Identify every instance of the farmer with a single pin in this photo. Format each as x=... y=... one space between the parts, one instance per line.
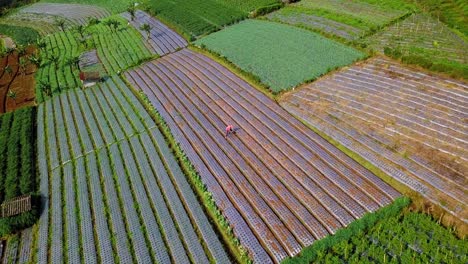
x=229 y=130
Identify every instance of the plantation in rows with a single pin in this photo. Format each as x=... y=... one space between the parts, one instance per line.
x=111 y=189
x=281 y=56
x=279 y=185
x=198 y=17
x=118 y=46
x=348 y=20
x=408 y=124
x=17 y=165
x=424 y=40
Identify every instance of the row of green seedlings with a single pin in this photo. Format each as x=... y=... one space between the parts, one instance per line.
x=18 y=166
x=222 y=224
x=312 y=253
x=159 y=184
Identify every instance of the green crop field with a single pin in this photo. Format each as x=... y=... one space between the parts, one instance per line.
x=345 y=19
x=17 y=164
x=405 y=238
x=118 y=49
x=281 y=56
x=116 y=6
x=21 y=35
x=199 y=17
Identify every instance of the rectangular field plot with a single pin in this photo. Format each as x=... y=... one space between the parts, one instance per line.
x=281 y=56
x=410 y=125
x=349 y=20
x=121 y=196
x=279 y=185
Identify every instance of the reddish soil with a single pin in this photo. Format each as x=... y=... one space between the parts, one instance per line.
x=22 y=83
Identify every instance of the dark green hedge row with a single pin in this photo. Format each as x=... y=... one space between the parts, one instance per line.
x=21 y=35
x=17 y=163
x=309 y=254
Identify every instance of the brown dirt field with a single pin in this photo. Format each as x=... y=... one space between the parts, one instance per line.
x=16 y=81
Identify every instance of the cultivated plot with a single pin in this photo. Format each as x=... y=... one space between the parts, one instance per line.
x=281 y=56
x=160 y=39
x=76 y=14
x=422 y=35
x=118 y=48
x=409 y=124
x=112 y=191
x=349 y=20
x=279 y=185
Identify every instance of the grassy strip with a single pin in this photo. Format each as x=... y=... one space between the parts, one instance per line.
x=308 y=254
x=223 y=228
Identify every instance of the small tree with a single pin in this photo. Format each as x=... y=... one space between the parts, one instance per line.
x=21 y=50
x=60 y=23
x=36 y=60
x=41 y=44
x=12 y=95
x=80 y=30
x=8 y=70
x=74 y=61
x=131 y=10
x=45 y=87
x=147 y=28
x=93 y=21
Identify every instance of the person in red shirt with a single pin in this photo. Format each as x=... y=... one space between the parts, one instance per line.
x=229 y=130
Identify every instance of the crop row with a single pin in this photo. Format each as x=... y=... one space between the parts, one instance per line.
x=17 y=163
x=201 y=95
x=118 y=48
x=345 y=107
x=160 y=39
x=119 y=183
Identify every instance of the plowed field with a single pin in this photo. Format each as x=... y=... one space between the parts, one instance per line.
x=411 y=125
x=280 y=185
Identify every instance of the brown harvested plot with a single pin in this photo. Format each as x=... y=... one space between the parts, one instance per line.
x=411 y=125
x=16 y=81
x=280 y=185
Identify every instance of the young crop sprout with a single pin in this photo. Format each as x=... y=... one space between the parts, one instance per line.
x=147 y=28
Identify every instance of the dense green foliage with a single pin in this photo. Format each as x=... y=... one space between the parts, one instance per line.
x=115 y=6
x=17 y=163
x=452 y=12
x=21 y=35
x=199 y=17
x=6 y=5
x=281 y=56
x=392 y=237
x=118 y=46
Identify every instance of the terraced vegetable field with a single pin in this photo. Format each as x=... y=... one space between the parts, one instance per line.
x=161 y=39
x=279 y=185
x=118 y=49
x=422 y=35
x=281 y=56
x=409 y=124
x=199 y=17
x=112 y=190
x=349 y=20
x=76 y=14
